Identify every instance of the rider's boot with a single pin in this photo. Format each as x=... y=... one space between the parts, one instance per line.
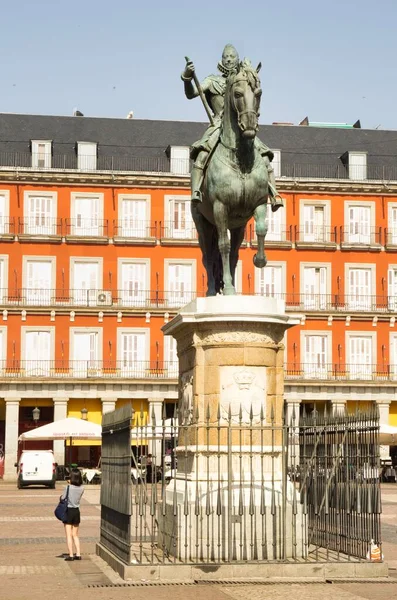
x=197 y=176
x=276 y=202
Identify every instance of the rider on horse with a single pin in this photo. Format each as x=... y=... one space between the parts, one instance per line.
x=213 y=88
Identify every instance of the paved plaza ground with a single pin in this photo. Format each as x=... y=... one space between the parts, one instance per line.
x=32 y=567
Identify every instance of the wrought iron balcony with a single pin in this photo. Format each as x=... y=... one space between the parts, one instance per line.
x=307 y=371
x=278 y=235
x=181 y=166
x=171 y=230
x=132 y=297
x=336 y=302
x=132 y=229
x=358 y=235
x=83 y=369
x=316 y=235
x=87 y=227
x=40 y=226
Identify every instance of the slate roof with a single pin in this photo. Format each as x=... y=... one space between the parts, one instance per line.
x=145 y=138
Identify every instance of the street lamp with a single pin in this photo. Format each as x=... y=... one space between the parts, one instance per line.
x=84 y=413
x=36 y=415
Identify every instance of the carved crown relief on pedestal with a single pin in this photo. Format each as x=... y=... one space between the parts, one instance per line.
x=242 y=393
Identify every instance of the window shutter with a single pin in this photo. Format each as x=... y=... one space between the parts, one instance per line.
x=308 y=222
x=274 y=231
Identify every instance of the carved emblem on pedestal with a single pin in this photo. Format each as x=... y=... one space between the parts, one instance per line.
x=243 y=388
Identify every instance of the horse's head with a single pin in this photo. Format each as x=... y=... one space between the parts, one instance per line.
x=245 y=96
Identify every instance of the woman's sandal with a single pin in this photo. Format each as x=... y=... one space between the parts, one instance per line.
x=77 y=557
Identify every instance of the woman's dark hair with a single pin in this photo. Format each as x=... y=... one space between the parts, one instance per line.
x=75 y=477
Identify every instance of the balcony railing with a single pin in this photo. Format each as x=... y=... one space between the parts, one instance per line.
x=273 y=235
x=129 y=228
x=118 y=299
x=83 y=369
x=340 y=372
x=359 y=235
x=45 y=226
x=182 y=166
x=87 y=227
x=336 y=302
x=315 y=235
x=134 y=297
x=170 y=230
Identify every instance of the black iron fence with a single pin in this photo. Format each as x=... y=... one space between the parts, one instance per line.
x=215 y=487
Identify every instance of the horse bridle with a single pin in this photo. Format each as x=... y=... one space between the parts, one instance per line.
x=244 y=112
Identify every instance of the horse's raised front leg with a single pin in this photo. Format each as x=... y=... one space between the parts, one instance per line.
x=220 y=218
x=260 y=214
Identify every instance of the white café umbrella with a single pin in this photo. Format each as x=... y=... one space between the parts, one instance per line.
x=65 y=429
x=387 y=435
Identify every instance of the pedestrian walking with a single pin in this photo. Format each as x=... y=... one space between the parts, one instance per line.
x=72 y=521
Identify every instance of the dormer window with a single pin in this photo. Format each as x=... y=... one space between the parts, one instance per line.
x=87 y=156
x=357 y=164
x=41 y=154
x=179 y=160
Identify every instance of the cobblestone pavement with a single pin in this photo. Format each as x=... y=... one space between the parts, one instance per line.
x=32 y=567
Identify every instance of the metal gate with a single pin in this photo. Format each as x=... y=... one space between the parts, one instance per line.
x=339 y=482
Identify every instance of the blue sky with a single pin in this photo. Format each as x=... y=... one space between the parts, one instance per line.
x=329 y=60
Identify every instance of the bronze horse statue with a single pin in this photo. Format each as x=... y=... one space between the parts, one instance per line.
x=235 y=185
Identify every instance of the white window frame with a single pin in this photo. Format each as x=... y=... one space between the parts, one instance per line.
x=392 y=293
x=326 y=206
x=175 y=261
x=143 y=294
x=50 y=229
x=393 y=354
x=4 y=290
x=357 y=172
x=34 y=367
x=357 y=204
x=279 y=265
x=391 y=227
x=38 y=296
x=36 y=154
x=79 y=370
x=276 y=163
x=89 y=196
x=357 y=370
x=320 y=302
x=5 y=219
x=87 y=162
x=173 y=366
x=143 y=229
x=274 y=218
x=92 y=294
x=3 y=359
x=311 y=370
x=361 y=303
x=138 y=370
x=187 y=233
x=238 y=277
x=180 y=165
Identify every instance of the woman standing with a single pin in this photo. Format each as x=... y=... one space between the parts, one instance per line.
x=72 y=522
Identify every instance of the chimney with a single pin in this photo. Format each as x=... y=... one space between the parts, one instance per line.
x=130 y=115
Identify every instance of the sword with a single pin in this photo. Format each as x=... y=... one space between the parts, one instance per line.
x=202 y=96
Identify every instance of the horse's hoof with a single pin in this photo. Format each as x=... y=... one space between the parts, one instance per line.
x=260 y=262
x=229 y=291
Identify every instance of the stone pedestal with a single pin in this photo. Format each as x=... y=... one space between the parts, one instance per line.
x=229 y=497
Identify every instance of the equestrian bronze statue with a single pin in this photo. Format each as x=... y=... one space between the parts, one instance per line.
x=232 y=176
